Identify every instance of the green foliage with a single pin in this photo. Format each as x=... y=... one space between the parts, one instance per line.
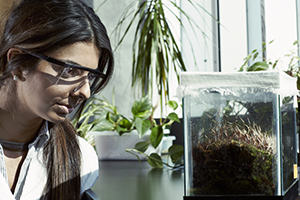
x=155 y=50
x=259 y=65
x=293 y=65
x=101 y=115
x=154 y=44
x=141 y=108
x=264 y=64
x=175 y=152
x=142 y=146
x=155 y=160
x=107 y=118
x=156 y=136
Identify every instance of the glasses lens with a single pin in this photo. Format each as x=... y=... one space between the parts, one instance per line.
x=66 y=78
x=93 y=80
x=95 y=83
x=64 y=75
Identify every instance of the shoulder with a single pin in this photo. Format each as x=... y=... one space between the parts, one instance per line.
x=89 y=164
x=88 y=154
x=87 y=150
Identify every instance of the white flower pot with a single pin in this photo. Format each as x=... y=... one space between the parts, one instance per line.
x=111 y=146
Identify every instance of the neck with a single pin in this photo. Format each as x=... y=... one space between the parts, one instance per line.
x=13 y=146
x=15 y=123
x=17 y=129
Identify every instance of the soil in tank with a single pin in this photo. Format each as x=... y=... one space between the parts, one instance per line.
x=234 y=159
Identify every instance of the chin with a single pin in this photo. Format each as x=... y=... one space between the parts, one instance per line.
x=57 y=119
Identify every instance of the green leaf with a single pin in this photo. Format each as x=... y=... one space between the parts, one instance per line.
x=255 y=50
x=155 y=160
x=121 y=130
x=175 y=152
x=142 y=146
x=142 y=126
x=156 y=136
x=125 y=123
x=298 y=83
x=255 y=55
x=104 y=125
x=296 y=42
x=114 y=118
x=103 y=115
x=246 y=60
x=173 y=104
x=144 y=115
x=173 y=116
x=141 y=106
x=258 y=66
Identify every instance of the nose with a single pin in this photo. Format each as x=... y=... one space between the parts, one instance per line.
x=82 y=91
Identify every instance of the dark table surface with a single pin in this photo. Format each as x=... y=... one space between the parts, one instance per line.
x=131 y=180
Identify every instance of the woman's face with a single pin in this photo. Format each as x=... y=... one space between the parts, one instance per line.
x=43 y=95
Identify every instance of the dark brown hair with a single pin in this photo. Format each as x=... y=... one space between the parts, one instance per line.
x=45 y=26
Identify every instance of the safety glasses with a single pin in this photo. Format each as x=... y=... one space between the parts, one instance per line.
x=66 y=73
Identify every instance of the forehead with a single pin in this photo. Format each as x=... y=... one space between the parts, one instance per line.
x=84 y=54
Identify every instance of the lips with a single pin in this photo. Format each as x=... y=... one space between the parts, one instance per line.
x=65 y=108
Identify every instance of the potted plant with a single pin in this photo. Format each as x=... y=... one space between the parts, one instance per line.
x=141 y=130
x=292 y=69
x=155 y=50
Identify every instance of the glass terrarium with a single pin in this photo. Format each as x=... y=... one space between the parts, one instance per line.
x=239 y=135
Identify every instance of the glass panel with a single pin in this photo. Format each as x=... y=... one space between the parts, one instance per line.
x=232 y=145
x=289 y=142
x=240 y=133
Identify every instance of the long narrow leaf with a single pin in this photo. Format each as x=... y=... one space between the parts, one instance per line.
x=154 y=45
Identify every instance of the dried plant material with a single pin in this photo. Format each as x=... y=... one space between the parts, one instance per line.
x=234 y=159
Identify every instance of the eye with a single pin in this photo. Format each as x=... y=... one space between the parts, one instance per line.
x=91 y=78
x=71 y=72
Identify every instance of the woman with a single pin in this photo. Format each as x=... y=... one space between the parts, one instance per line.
x=54 y=54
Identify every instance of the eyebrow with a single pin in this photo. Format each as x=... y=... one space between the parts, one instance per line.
x=71 y=62
x=74 y=63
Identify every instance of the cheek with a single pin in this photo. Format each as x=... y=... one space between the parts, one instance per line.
x=40 y=92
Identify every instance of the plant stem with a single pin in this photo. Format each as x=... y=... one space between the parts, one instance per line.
x=134 y=151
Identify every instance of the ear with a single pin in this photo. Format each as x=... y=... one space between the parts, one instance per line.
x=12 y=52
